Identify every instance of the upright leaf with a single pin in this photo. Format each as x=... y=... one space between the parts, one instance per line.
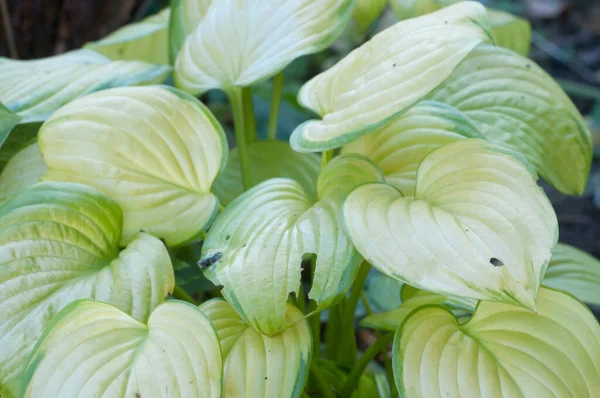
x=60 y=243
x=155 y=150
x=146 y=41
x=386 y=76
x=256 y=365
x=478 y=226
x=94 y=350
x=502 y=351
x=259 y=241
x=185 y=17
x=24 y=170
x=400 y=145
x=366 y=13
x=514 y=103
x=241 y=42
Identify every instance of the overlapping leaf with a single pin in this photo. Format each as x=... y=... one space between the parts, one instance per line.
x=502 y=351
x=59 y=243
x=155 y=150
x=8 y=120
x=24 y=170
x=241 y=42
x=478 y=226
x=146 y=41
x=399 y=146
x=95 y=350
x=268 y=159
x=576 y=272
x=386 y=76
x=185 y=17
x=261 y=237
x=256 y=365
x=366 y=12
x=514 y=103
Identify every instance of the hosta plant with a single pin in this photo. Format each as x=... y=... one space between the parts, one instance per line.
x=149 y=248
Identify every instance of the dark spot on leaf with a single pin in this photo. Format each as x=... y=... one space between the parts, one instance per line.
x=208 y=261
x=266 y=378
x=245 y=244
x=466 y=230
x=528 y=66
x=445 y=22
x=394 y=65
x=496 y=262
x=227 y=237
x=137 y=395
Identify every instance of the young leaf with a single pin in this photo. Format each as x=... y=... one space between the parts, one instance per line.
x=366 y=12
x=386 y=76
x=35 y=89
x=156 y=150
x=478 y=226
x=185 y=17
x=242 y=42
x=24 y=170
x=94 y=350
x=59 y=243
x=502 y=351
x=382 y=291
x=514 y=103
x=259 y=241
x=146 y=41
x=269 y=159
x=575 y=272
x=256 y=365
x=399 y=146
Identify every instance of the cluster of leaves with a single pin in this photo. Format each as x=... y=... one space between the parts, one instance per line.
x=432 y=135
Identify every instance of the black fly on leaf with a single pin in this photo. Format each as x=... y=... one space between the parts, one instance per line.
x=208 y=261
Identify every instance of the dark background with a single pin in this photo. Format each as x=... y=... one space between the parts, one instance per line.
x=566 y=42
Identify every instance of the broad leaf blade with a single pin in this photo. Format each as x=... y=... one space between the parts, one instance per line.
x=400 y=145
x=25 y=169
x=262 y=236
x=478 y=226
x=576 y=272
x=94 y=350
x=60 y=243
x=387 y=75
x=256 y=365
x=185 y=17
x=146 y=41
x=503 y=351
x=260 y=45
x=156 y=150
x=514 y=103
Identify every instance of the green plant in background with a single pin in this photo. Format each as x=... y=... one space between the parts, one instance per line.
x=120 y=197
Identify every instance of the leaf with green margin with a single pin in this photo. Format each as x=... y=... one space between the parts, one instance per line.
x=336 y=379
x=366 y=13
x=576 y=272
x=146 y=40
x=94 y=350
x=59 y=243
x=414 y=298
x=35 y=89
x=502 y=351
x=155 y=150
x=508 y=30
x=268 y=36
x=25 y=169
x=386 y=76
x=185 y=17
x=478 y=226
x=262 y=236
x=514 y=103
x=399 y=146
x=21 y=136
x=268 y=159
x=256 y=365
x=8 y=120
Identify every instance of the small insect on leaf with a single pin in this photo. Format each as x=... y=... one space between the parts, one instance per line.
x=496 y=262
x=208 y=261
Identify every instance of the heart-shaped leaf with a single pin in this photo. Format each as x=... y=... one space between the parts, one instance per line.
x=24 y=170
x=259 y=241
x=366 y=12
x=576 y=272
x=256 y=365
x=155 y=150
x=400 y=145
x=59 y=243
x=508 y=30
x=268 y=159
x=386 y=76
x=478 y=226
x=241 y=42
x=146 y=41
x=502 y=351
x=514 y=103
x=94 y=350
